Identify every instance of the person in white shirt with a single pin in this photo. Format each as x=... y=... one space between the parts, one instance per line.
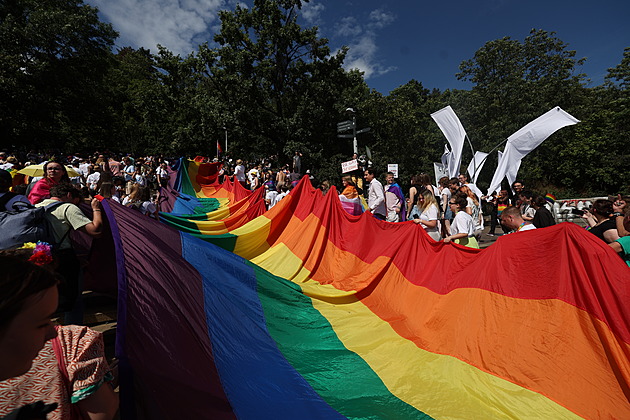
x=376 y=195
x=129 y=172
x=462 y=227
x=512 y=219
x=527 y=210
x=93 y=178
x=427 y=213
x=239 y=173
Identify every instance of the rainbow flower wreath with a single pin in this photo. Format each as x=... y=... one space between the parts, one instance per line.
x=42 y=252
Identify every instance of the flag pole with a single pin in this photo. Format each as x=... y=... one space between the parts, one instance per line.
x=484 y=159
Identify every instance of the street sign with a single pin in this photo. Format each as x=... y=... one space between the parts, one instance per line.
x=363 y=130
x=393 y=168
x=344 y=126
x=345 y=136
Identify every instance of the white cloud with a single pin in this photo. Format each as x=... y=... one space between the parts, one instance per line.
x=381 y=18
x=348 y=27
x=311 y=12
x=363 y=48
x=175 y=24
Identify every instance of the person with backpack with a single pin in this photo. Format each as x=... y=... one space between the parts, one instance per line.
x=10 y=201
x=63 y=218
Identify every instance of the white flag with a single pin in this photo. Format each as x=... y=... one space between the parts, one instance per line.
x=475 y=165
x=525 y=140
x=440 y=172
x=454 y=132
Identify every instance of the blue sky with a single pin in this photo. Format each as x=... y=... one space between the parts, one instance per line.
x=396 y=41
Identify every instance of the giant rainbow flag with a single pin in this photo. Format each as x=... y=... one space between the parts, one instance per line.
x=305 y=311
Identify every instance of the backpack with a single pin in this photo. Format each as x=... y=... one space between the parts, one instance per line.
x=26 y=225
x=5 y=199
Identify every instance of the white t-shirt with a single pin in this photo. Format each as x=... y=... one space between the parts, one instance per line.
x=446 y=196
x=527 y=226
x=430 y=213
x=140 y=180
x=128 y=170
x=253 y=173
x=462 y=223
x=239 y=173
x=148 y=207
x=277 y=198
x=92 y=180
x=475 y=212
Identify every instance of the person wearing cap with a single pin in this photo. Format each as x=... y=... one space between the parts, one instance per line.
x=10 y=201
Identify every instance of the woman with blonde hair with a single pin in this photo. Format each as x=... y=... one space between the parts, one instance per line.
x=426 y=214
x=473 y=208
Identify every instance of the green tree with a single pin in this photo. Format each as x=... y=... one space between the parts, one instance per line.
x=516 y=82
x=54 y=57
x=278 y=82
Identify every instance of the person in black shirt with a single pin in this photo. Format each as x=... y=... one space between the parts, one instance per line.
x=542 y=217
x=600 y=219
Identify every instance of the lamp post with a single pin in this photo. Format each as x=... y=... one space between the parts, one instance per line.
x=355 y=144
x=225 y=129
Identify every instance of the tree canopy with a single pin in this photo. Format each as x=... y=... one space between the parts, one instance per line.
x=276 y=87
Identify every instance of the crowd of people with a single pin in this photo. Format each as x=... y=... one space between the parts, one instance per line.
x=65 y=364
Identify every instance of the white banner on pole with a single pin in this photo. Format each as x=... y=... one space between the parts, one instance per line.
x=475 y=166
x=349 y=166
x=454 y=132
x=440 y=172
x=393 y=168
x=525 y=140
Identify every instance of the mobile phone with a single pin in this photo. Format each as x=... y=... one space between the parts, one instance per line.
x=577 y=212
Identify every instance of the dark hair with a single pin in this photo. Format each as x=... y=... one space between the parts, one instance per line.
x=6 y=180
x=603 y=207
x=459 y=198
x=526 y=194
x=539 y=201
x=19 y=280
x=390 y=173
x=453 y=181
x=518 y=181
x=443 y=181
x=64 y=177
x=106 y=189
x=465 y=176
x=63 y=189
x=371 y=171
x=424 y=179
